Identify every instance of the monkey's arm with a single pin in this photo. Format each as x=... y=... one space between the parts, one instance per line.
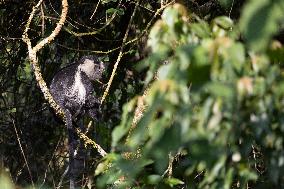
x=93 y=107
x=92 y=102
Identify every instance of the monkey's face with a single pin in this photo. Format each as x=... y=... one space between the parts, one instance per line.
x=93 y=68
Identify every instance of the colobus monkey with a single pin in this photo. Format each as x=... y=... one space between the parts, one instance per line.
x=72 y=89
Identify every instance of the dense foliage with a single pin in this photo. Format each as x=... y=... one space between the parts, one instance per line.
x=217 y=107
x=202 y=108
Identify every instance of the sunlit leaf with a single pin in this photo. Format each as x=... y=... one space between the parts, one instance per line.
x=173 y=181
x=224 y=22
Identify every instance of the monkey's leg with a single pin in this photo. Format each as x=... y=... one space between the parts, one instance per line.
x=80 y=153
x=71 y=141
x=74 y=108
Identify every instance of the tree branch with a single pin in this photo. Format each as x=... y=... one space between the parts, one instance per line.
x=33 y=50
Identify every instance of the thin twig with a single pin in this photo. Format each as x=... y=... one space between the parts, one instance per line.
x=120 y=53
x=231 y=8
x=116 y=48
x=42 y=21
x=67 y=17
x=93 y=32
x=169 y=170
x=62 y=177
x=108 y=22
x=124 y=43
x=49 y=163
x=22 y=151
x=57 y=28
x=97 y=5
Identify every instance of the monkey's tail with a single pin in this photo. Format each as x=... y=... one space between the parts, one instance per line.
x=72 y=144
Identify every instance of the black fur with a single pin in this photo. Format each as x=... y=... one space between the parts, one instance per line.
x=72 y=89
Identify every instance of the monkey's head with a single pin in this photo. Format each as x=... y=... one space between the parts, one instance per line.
x=92 y=67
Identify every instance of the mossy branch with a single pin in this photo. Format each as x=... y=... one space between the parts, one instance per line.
x=33 y=50
x=34 y=61
x=87 y=141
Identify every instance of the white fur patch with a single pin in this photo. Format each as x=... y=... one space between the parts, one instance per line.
x=78 y=90
x=88 y=67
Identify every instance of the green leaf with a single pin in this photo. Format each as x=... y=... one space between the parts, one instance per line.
x=127 y=117
x=226 y=3
x=173 y=181
x=154 y=179
x=259 y=22
x=117 y=11
x=224 y=22
x=170 y=16
x=220 y=90
x=229 y=178
x=200 y=29
x=164 y=71
x=13 y=110
x=5 y=182
x=236 y=54
x=107 y=1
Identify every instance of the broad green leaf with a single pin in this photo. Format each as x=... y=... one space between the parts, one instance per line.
x=220 y=90
x=170 y=16
x=127 y=117
x=200 y=29
x=224 y=22
x=154 y=179
x=260 y=21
